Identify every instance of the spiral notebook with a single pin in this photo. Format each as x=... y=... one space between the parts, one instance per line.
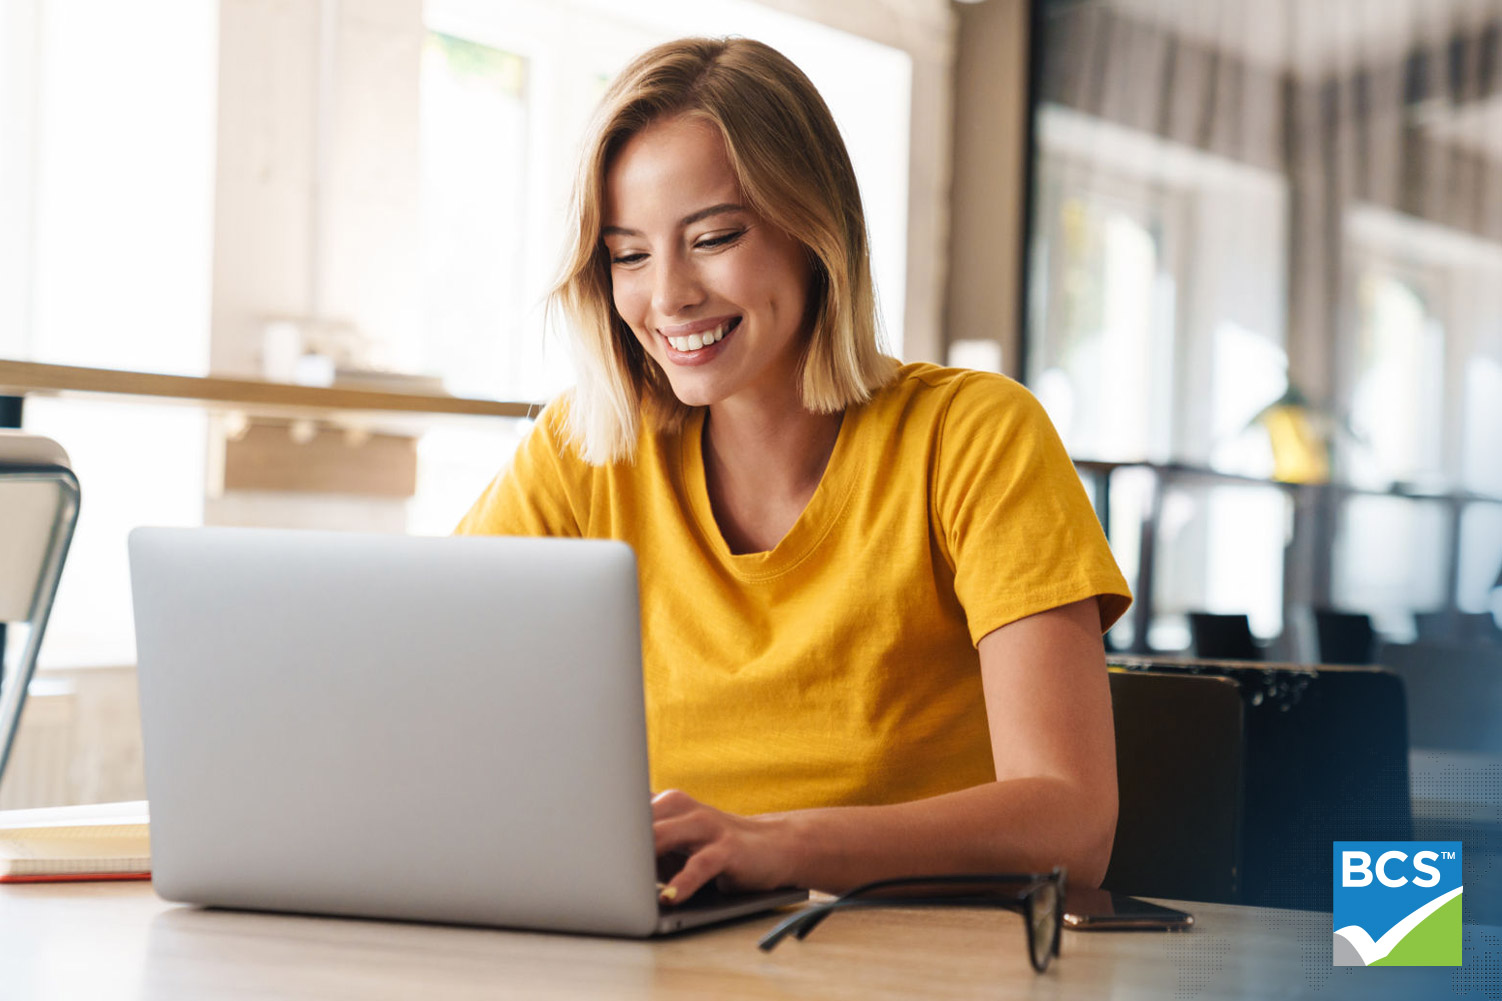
x=55 y=844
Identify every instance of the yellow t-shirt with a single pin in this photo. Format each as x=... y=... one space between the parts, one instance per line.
x=840 y=667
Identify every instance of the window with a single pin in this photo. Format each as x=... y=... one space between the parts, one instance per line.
x=1157 y=283
x=1106 y=344
x=1397 y=378
x=474 y=225
x=1157 y=335
x=1403 y=575
x=1423 y=367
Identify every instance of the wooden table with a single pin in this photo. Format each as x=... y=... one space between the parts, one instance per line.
x=102 y=941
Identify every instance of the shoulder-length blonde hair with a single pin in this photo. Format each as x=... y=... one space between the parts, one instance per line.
x=792 y=167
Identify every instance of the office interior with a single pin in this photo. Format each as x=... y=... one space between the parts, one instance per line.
x=1247 y=255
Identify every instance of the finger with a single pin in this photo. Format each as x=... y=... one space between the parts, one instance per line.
x=700 y=868
x=684 y=834
x=671 y=803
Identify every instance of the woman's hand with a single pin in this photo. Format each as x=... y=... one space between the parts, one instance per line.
x=742 y=853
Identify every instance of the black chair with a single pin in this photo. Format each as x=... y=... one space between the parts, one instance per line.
x=1457 y=627
x=1235 y=778
x=1179 y=769
x=1454 y=694
x=1345 y=637
x=1223 y=637
x=1327 y=760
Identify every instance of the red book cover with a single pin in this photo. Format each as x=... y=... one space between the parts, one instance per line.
x=75 y=877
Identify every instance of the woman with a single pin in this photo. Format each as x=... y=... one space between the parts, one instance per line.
x=872 y=595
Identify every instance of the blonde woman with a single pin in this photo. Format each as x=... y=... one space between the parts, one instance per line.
x=872 y=594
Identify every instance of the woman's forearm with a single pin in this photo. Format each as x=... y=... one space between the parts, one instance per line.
x=1018 y=825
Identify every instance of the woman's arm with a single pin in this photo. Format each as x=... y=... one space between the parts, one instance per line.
x=1053 y=802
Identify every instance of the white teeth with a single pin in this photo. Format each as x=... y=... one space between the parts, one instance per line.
x=694 y=342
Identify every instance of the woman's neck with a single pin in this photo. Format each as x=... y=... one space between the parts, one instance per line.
x=777 y=452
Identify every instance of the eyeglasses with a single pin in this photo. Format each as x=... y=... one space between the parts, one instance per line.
x=1039 y=896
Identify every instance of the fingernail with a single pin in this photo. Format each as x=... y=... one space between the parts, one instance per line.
x=669 y=893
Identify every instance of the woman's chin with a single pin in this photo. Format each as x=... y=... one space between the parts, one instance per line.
x=692 y=392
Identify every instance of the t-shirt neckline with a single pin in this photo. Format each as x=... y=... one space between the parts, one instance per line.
x=813 y=524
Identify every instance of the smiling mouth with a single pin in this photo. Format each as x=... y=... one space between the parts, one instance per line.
x=697 y=342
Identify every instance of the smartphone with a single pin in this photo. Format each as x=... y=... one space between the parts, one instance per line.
x=1101 y=910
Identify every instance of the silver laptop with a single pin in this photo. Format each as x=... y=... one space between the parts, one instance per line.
x=384 y=726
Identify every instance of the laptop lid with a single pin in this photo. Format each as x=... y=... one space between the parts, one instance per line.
x=446 y=729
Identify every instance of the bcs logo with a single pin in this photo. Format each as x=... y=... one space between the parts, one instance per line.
x=1397 y=903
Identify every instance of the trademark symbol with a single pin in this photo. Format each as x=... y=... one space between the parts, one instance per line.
x=1448 y=855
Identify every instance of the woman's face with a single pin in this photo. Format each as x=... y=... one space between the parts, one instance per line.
x=714 y=294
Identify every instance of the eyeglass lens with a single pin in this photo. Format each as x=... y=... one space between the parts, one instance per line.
x=1043 y=915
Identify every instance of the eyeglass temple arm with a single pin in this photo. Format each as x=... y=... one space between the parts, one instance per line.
x=799 y=925
x=805 y=921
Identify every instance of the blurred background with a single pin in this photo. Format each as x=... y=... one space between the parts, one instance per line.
x=1265 y=245
x=1248 y=253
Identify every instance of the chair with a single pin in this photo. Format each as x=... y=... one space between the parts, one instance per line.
x=1179 y=768
x=1457 y=627
x=1480 y=628
x=1454 y=694
x=1234 y=779
x=1223 y=637
x=39 y=498
x=1345 y=637
x=1327 y=760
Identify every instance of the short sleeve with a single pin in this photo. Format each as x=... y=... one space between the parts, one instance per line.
x=1017 y=524
x=535 y=494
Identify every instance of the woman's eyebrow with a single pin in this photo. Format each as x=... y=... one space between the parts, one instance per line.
x=687 y=220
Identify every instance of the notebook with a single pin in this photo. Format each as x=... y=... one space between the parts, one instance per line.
x=98 y=841
x=446 y=729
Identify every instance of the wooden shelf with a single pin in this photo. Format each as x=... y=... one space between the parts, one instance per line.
x=34 y=379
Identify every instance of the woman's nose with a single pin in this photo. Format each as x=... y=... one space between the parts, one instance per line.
x=677 y=287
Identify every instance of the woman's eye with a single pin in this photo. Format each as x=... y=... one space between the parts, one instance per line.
x=722 y=240
x=628 y=258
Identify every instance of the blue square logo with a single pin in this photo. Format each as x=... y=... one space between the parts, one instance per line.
x=1397 y=903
